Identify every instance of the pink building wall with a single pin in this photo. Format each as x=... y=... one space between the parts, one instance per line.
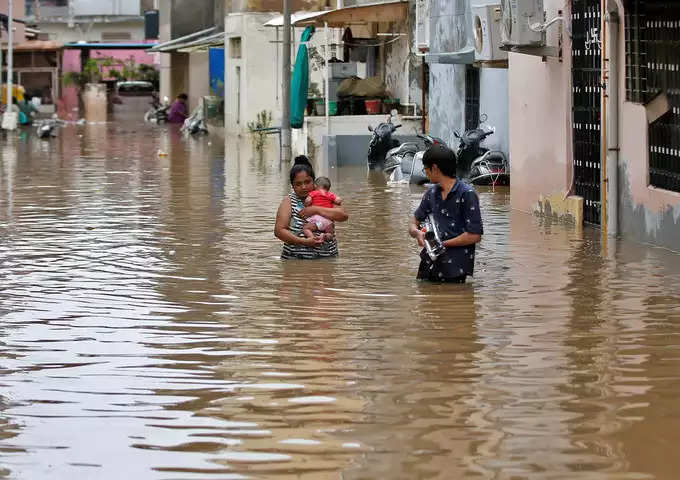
x=540 y=123
x=541 y=142
x=72 y=63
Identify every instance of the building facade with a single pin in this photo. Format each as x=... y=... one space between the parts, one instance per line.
x=607 y=135
x=460 y=91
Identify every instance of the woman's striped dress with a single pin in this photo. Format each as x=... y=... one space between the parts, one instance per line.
x=327 y=249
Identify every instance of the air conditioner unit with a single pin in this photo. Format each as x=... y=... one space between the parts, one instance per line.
x=486 y=23
x=517 y=15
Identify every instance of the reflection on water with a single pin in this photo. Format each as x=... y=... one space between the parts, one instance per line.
x=149 y=329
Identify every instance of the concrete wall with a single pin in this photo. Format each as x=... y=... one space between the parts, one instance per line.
x=199 y=78
x=540 y=119
x=189 y=16
x=450 y=32
x=309 y=139
x=494 y=102
x=238 y=6
x=446 y=98
x=92 y=32
x=164 y=35
x=259 y=72
x=19 y=11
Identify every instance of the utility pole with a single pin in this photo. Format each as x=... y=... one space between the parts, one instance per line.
x=286 y=137
x=9 y=122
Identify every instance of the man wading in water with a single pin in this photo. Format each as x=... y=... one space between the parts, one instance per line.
x=454 y=207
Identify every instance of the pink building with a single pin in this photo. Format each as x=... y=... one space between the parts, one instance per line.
x=603 y=122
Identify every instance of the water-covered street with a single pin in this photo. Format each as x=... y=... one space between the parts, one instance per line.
x=148 y=329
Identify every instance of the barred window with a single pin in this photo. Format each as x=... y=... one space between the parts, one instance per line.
x=653 y=68
x=471 y=98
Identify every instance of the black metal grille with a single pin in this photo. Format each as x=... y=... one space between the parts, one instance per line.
x=586 y=76
x=471 y=98
x=662 y=42
x=636 y=59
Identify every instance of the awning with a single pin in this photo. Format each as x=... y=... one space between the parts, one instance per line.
x=394 y=11
x=295 y=17
x=182 y=42
x=109 y=46
x=202 y=44
x=36 y=46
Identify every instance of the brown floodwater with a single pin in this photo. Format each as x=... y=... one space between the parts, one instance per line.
x=149 y=330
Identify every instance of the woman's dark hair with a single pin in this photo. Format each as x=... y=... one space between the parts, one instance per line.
x=443 y=157
x=183 y=96
x=301 y=164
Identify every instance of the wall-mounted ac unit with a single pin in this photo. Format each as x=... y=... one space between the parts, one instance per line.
x=517 y=15
x=486 y=20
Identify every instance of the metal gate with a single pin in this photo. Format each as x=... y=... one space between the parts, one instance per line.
x=587 y=81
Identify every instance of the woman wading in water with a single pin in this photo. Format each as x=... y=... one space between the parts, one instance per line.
x=292 y=214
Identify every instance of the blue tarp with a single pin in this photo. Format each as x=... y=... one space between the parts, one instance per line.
x=217 y=72
x=300 y=82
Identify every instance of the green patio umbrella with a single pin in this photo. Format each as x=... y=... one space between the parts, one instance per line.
x=300 y=82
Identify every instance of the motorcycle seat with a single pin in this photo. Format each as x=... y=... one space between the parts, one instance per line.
x=404 y=148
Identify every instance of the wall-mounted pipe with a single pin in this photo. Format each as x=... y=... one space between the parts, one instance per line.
x=612 y=167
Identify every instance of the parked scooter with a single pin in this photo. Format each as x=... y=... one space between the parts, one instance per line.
x=479 y=165
x=158 y=113
x=46 y=129
x=381 y=143
x=404 y=164
x=195 y=123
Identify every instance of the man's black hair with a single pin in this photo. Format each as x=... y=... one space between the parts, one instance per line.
x=323 y=182
x=443 y=157
x=301 y=164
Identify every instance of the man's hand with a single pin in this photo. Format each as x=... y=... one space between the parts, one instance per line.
x=416 y=232
x=420 y=238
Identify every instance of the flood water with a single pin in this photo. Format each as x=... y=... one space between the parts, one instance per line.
x=149 y=330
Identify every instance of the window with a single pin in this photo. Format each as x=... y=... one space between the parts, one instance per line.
x=471 y=98
x=235 y=47
x=116 y=36
x=652 y=69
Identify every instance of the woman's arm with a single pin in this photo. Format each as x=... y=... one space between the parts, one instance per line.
x=337 y=214
x=282 y=231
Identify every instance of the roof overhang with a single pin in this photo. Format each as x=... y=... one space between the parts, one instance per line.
x=202 y=44
x=394 y=11
x=195 y=39
x=36 y=46
x=109 y=46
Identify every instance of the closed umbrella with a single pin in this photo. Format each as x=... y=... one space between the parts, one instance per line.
x=300 y=82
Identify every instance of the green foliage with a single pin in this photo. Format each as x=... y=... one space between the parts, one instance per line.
x=108 y=67
x=263 y=120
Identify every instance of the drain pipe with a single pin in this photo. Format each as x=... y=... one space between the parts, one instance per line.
x=612 y=146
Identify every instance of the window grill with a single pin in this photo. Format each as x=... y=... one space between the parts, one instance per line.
x=653 y=68
x=586 y=80
x=471 y=98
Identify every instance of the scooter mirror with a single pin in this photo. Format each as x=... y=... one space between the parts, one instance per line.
x=370 y=129
x=483 y=118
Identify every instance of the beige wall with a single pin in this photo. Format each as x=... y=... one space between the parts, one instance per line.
x=199 y=77
x=19 y=11
x=540 y=122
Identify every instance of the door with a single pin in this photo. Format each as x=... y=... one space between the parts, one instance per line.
x=586 y=118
